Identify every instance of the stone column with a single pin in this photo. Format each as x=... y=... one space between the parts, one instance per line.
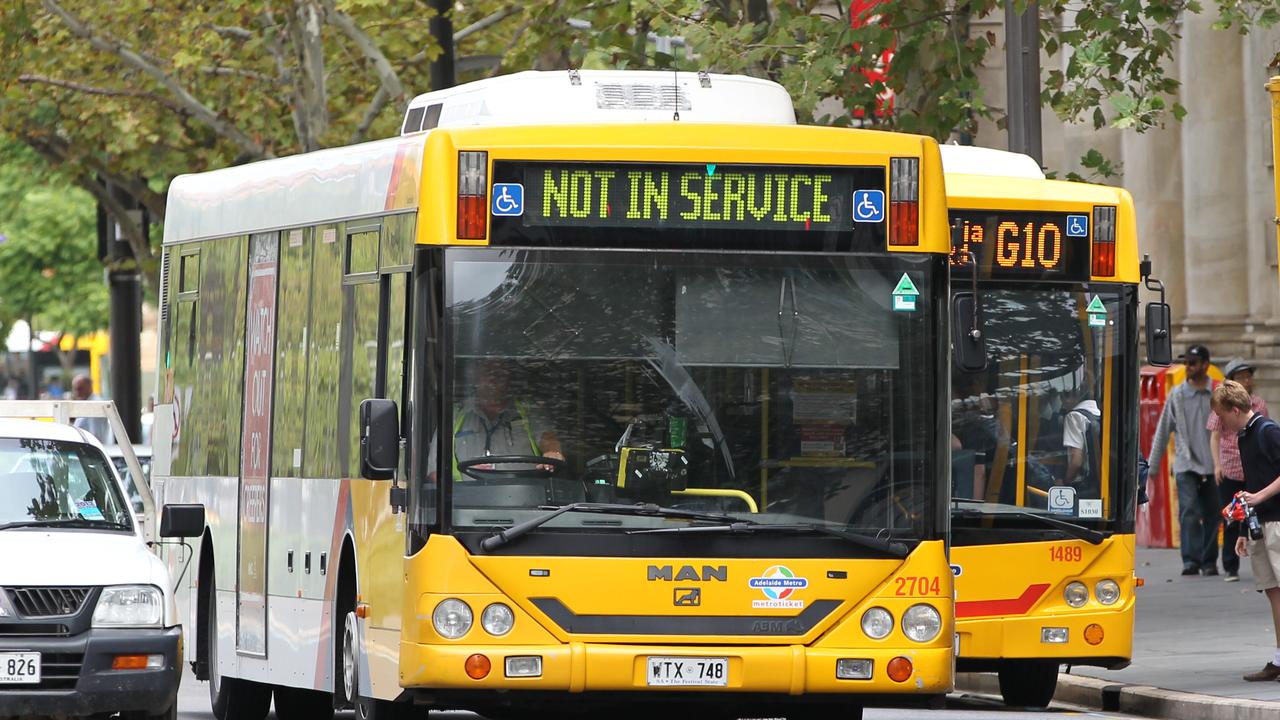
x=1153 y=175
x=1263 y=326
x=1213 y=188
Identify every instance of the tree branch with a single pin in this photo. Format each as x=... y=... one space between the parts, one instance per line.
x=381 y=66
x=105 y=92
x=58 y=153
x=305 y=26
x=236 y=72
x=234 y=33
x=197 y=109
x=371 y=113
x=276 y=49
x=491 y=19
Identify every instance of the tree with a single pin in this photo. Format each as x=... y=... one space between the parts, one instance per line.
x=49 y=271
x=134 y=92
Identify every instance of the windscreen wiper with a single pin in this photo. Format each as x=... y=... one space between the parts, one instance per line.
x=888 y=547
x=493 y=542
x=1079 y=532
x=67 y=523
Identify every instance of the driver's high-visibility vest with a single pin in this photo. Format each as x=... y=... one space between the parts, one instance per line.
x=461 y=417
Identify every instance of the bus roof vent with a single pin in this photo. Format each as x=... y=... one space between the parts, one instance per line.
x=640 y=96
x=971 y=160
x=602 y=96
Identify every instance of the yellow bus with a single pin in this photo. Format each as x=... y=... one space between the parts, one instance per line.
x=1044 y=438
x=590 y=387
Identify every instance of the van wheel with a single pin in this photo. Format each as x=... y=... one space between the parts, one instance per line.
x=299 y=704
x=1028 y=683
x=230 y=698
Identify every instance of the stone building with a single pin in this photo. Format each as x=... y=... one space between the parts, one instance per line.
x=1203 y=188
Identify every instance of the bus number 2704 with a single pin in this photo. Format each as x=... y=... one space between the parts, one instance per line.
x=911 y=585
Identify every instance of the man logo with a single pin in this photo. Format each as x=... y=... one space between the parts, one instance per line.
x=687 y=597
x=688 y=573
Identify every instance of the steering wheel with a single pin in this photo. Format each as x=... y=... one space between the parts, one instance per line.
x=471 y=467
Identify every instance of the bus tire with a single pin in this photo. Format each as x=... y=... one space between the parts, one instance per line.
x=1029 y=683
x=348 y=680
x=301 y=704
x=230 y=698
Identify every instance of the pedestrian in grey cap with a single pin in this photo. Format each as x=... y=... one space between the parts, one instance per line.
x=1227 y=470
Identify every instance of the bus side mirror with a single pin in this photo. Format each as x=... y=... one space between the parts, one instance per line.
x=379 y=439
x=1159 y=338
x=967 y=341
x=182 y=521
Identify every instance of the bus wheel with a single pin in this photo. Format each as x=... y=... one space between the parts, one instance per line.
x=365 y=708
x=299 y=704
x=1029 y=683
x=231 y=698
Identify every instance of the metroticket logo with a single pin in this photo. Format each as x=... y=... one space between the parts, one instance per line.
x=778 y=584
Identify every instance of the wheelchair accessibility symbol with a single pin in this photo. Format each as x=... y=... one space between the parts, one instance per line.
x=868 y=206
x=1077 y=226
x=508 y=199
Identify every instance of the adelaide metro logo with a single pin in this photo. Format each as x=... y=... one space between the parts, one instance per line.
x=778 y=584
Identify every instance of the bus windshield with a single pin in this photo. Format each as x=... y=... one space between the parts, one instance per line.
x=776 y=388
x=1036 y=431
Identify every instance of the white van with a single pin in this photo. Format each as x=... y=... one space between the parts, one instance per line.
x=88 y=623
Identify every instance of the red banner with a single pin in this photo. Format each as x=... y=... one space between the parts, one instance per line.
x=255 y=444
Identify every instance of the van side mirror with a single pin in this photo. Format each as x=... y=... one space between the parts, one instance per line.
x=1159 y=337
x=967 y=341
x=379 y=439
x=182 y=521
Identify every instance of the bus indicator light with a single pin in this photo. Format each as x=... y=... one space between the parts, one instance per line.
x=477 y=666
x=1104 y=241
x=904 y=201
x=473 y=208
x=899 y=669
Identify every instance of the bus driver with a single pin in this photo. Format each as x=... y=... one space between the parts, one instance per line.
x=493 y=422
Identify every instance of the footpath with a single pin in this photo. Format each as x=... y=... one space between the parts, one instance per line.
x=1193 y=639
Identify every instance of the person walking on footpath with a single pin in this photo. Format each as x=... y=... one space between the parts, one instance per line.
x=1227 y=471
x=1259 y=443
x=1186 y=416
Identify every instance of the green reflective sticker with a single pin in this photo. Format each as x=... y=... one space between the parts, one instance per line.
x=1096 y=307
x=905 y=286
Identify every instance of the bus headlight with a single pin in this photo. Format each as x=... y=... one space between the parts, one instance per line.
x=1076 y=594
x=497 y=619
x=452 y=618
x=921 y=623
x=1107 y=592
x=877 y=623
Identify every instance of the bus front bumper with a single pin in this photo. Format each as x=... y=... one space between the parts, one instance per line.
x=590 y=667
x=986 y=642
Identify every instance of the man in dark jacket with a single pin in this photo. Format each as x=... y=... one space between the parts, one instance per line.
x=1259 y=438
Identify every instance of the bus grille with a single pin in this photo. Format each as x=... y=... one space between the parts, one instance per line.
x=36 y=602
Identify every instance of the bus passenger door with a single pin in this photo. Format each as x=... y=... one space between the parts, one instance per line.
x=255 y=445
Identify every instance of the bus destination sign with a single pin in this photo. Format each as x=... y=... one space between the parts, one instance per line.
x=710 y=196
x=1013 y=244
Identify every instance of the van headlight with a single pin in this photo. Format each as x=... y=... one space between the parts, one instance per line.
x=1076 y=594
x=452 y=618
x=497 y=619
x=129 y=606
x=1107 y=592
x=921 y=623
